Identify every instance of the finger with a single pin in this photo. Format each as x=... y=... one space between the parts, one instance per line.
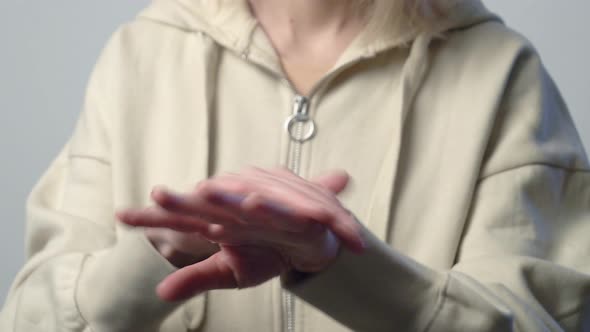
x=335 y=181
x=197 y=278
x=275 y=216
x=256 y=211
x=273 y=237
x=159 y=218
x=284 y=177
x=156 y=218
x=304 y=218
x=180 y=241
x=313 y=194
x=301 y=208
x=344 y=227
x=328 y=212
x=239 y=196
x=302 y=213
x=233 y=267
x=339 y=220
x=191 y=205
x=276 y=192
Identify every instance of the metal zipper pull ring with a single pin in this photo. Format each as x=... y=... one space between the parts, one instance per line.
x=295 y=133
x=299 y=121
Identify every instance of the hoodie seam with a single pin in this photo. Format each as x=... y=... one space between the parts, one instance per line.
x=569 y=313
x=76 y=289
x=542 y=164
x=222 y=36
x=89 y=157
x=441 y=300
x=227 y=40
x=17 y=311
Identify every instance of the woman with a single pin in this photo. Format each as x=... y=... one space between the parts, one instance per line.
x=463 y=206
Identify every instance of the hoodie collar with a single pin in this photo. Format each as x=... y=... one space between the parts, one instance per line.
x=231 y=24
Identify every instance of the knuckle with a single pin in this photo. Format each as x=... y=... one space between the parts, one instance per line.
x=215 y=232
x=252 y=202
x=323 y=190
x=204 y=187
x=237 y=186
x=199 y=186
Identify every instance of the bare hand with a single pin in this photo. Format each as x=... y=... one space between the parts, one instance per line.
x=179 y=248
x=265 y=221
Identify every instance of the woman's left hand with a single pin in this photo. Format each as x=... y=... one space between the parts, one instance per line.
x=265 y=222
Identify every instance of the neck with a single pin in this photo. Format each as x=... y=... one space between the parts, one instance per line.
x=304 y=18
x=308 y=35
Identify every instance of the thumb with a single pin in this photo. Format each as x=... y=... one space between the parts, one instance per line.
x=211 y=273
x=335 y=181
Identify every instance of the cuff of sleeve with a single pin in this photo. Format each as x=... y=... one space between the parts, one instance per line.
x=116 y=289
x=379 y=290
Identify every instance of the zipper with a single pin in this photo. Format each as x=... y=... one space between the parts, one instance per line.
x=300 y=128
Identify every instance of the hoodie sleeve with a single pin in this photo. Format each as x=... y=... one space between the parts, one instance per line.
x=524 y=258
x=83 y=273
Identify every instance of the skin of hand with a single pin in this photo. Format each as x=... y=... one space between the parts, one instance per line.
x=265 y=222
x=180 y=248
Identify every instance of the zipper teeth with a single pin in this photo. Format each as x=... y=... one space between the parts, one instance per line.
x=288 y=299
x=295 y=168
x=289 y=303
x=301 y=105
x=296 y=157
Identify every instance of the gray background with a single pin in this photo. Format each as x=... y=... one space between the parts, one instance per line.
x=47 y=49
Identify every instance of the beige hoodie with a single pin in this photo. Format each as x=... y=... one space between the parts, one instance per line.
x=467 y=173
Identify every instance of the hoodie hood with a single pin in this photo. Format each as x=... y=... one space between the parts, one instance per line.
x=231 y=24
x=227 y=22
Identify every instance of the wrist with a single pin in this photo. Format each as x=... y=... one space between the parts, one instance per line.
x=319 y=256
